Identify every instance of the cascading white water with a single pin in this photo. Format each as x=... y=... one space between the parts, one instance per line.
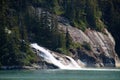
x=46 y=54
x=73 y=62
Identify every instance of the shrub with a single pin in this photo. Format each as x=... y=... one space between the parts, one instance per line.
x=86 y=46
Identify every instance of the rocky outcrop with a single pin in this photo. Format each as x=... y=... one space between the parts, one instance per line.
x=97 y=51
x=98 y=48
x=102 y=46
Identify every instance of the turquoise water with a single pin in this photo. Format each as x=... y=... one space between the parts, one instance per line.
x=60 y=74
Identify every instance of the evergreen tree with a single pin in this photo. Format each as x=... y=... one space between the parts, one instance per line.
x=20 y=25
x=68 y=40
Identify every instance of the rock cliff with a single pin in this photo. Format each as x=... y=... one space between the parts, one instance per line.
x=98 y=48
x=74 y=28
x=102 y=46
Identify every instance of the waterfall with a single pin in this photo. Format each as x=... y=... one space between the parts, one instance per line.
x=46 y=54
x=73 y=62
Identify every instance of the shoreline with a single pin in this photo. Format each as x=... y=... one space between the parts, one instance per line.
x=38 y=67
x=20 y=67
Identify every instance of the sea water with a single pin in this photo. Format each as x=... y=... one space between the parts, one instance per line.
x=57 y=74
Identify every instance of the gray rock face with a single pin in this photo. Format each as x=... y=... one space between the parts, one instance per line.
x=102 y=45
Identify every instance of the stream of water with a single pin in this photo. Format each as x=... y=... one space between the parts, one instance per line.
x=47 y=55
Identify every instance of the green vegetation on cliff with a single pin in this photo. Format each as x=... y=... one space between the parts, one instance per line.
x=21 y=25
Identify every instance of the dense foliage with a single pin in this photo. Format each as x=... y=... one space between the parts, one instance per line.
x=21 y=25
